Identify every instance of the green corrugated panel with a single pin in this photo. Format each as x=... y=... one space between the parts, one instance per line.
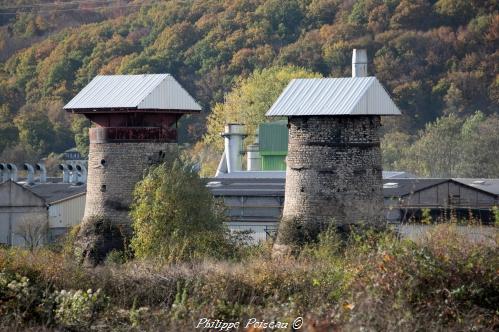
x=273 y=137
x=273 y=163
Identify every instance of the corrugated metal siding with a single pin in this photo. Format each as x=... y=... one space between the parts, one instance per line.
x=334 y=96
x=67 y=213
x=273 y=137
x=273 y=163
x=151 y=91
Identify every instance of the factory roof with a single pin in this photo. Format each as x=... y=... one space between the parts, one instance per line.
x=334 y=96
x=282 y=175
x=49 y=193
x=149 y=91
x=488 y=185
x=55 y=192
x=398 y=187
x=272 y=183
x=393 y=187
x=397 y=175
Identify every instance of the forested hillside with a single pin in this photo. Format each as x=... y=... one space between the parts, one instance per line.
x=436 y=58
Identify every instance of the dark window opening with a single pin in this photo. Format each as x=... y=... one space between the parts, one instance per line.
x=103 y=162
x=103 y=188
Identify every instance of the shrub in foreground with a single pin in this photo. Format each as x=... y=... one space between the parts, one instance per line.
x=373 y=282
x=175 y=217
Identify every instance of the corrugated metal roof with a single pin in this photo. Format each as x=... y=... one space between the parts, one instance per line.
x=149 y=91
x=54 y=192
x=334 y=96
x=488 y=185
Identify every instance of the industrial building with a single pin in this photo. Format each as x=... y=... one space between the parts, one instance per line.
x=255 y=200
x=39 y=208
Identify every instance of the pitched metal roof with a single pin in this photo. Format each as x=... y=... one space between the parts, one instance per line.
x=56 y=192
x=272 y=183
x=149 y=91
x=397 y=175
x=488 y=185
x=334 y=96
x=393 y=187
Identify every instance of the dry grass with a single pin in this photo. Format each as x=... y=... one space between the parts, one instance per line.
x=375 y=282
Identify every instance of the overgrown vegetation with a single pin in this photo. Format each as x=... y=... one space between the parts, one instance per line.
x=176 y=218
x=372 y=281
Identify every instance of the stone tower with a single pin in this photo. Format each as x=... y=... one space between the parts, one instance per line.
x=134 y=125
x=334 y=169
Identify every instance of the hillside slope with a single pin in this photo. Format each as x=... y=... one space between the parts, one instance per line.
x=434 y=57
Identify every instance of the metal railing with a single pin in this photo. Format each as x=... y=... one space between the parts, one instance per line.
x=132 y=134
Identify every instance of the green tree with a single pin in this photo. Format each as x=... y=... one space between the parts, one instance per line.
x=457 y=11
x=394 y=146
x=249 y=100
x=35 y=129
x=480 y=139
x=438 y=150
x=174 y=215
x=79 y=127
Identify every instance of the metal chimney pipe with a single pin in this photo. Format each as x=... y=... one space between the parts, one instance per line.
x=359 y=63
x=65 y=173
x=254 y=160
x=42 y=171
x=73 y=177
x=82 y=173
x=31 y=173
x=4 y=172
x=13 y=171
x=234 y=135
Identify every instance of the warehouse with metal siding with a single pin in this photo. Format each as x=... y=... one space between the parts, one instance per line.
x=65 y=214
x=58 y=205
x=254 y=200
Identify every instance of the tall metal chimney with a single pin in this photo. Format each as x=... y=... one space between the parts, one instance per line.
x=31 y=173
x=73 y=176
x=40 y=167
x=234 y=134
x=359 y=63
x=4 y=172
x=13 y=171
x=82 y=173
x=65 y=173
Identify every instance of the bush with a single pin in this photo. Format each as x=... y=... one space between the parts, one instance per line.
x=23 y=302
x=175 y=217
x=78 y=309
x=373 y=281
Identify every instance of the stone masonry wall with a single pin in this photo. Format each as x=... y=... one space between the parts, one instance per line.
x=113 y=171
x=334 y=170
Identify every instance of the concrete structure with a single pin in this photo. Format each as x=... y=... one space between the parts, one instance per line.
x=334 y=158
x=55 y=206
x=135 y=119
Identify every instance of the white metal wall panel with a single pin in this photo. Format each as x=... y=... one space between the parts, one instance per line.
x=67 y=213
